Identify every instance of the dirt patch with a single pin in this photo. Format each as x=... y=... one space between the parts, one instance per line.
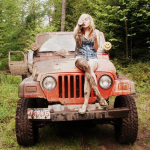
x=143 y=136
x=107 y=141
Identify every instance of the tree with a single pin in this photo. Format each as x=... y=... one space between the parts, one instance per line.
x=63 y=15
x=73 y=11
x=18 y=21
x=125 y=24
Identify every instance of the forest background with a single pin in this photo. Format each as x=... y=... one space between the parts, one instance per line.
x=125 y=23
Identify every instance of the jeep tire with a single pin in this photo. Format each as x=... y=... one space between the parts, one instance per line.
x=26 y=130
x=126 y=129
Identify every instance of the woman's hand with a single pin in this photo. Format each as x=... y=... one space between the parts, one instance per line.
x=94 y=36
x=96 y=40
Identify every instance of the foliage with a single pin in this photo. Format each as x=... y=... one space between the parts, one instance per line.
x=3 y=63
x=73 y=11
x=139 y=72
x=126 y=25
x=52 y=10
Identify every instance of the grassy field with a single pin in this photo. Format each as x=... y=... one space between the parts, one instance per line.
x=70 y=136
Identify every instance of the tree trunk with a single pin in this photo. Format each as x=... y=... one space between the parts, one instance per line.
x=63 y=15
x=116 y=2
x=126 y=33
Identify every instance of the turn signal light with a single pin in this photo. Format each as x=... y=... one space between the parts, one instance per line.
x=30 y=89
x=123 y=86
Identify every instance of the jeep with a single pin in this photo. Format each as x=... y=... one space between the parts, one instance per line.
x=52 y=90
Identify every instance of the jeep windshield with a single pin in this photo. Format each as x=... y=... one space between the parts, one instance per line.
x=59 y=42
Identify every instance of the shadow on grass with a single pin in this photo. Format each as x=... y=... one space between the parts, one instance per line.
x=76 y=136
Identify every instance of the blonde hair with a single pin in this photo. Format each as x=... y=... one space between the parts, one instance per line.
x=78 y=31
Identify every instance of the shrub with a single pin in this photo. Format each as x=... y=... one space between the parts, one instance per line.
x=139 y=72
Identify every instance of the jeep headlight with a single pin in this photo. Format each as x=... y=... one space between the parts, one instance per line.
x=105 y=82
x=49 y=83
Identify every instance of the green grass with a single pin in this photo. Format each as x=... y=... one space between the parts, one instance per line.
x=67 y=136
x=8 y=103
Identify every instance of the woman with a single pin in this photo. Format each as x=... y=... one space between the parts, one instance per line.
x=87 y=43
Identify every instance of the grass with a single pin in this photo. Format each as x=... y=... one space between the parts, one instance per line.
x=69 y=136
x=143 y=105
x=8 y=103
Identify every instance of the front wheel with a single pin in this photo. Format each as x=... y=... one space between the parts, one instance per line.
x=26 y=130
x=126 y=129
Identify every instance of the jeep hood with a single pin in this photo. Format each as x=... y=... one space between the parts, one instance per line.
x=67 y=65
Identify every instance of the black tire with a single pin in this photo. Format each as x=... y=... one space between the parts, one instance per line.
x=26 y=130
x=23 y=77
x=126 y=129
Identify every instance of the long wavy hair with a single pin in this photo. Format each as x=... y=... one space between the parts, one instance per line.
x=79 y=30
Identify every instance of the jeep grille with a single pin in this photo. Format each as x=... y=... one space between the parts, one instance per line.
x=70 y=87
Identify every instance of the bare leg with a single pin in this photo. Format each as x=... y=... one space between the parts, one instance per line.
x=87 y=90
x=93 y=66
x=90 y=78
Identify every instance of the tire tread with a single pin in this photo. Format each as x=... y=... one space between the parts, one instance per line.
x=127 y=130
x=26 y=131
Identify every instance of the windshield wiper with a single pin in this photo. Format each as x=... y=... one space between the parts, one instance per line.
x=60 y=54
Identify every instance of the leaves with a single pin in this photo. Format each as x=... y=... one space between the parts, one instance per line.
x=21 y=20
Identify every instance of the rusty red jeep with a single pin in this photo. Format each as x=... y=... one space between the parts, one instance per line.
x=52 y=90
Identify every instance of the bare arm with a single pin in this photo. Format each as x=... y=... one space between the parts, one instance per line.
x=96 y=36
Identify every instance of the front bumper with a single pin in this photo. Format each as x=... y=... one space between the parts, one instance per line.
x=70 y=113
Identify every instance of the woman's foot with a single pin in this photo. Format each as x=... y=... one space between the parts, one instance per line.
x=82 y=110
x=103 y=103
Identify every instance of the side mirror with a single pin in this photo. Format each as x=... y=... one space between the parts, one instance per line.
x=34 y=46
x=107 y=46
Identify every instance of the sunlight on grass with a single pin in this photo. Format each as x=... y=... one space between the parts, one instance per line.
x=143 y=107
x=8 y=103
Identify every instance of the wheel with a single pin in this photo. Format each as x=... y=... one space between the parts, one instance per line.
x=26 y=130
x=23 y=77
x=126 y=129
